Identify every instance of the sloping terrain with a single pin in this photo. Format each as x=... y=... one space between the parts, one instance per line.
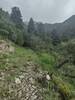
x=21 y=77
x=17 y=76
x=66 y=28
x=45 y=72
x=19 y=85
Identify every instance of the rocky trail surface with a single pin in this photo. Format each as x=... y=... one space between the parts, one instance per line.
x=18 y=78
x=23 y=86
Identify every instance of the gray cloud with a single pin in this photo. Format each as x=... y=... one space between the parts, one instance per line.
x=50 y=11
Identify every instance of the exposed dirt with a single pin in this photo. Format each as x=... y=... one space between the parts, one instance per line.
x=5 y=47
x=20 y=85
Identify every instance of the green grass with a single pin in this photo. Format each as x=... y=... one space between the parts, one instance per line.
x=46 y=61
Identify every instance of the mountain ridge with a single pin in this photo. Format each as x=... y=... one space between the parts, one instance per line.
x=62 y=28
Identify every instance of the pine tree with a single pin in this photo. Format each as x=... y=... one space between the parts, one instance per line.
x=31 y=26
x=16 y=16
x=55 y=37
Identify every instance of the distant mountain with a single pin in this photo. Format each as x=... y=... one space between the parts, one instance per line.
x=70 y=20
x=65 y=28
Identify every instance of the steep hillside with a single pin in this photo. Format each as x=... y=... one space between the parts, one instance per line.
x=36 y=65
x=21 y=76
x=17 y=75
x=66 y=28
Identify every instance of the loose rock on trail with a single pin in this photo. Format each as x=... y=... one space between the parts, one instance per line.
x=23 y=86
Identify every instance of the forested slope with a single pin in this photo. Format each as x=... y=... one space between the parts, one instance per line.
x=34 y=64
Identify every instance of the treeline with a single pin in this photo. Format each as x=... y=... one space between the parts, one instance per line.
x=35 y=35
x=32 y=35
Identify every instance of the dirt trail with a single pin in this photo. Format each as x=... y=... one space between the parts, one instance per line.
x=23 y=86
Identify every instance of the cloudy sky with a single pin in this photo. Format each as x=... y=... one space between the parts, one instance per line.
x=50 y=11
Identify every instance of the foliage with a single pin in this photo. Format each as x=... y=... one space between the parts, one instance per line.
x=55 y=37
x=63 y=88
x=16 y=17
x=31 y=27
x=49 y=49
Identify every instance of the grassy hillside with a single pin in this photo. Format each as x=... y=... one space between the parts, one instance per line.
x=23 y=70
x=13 y=64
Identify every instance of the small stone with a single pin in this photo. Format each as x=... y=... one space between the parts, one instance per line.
x=33 y=87
x=33 y=97
x=2 y=74
x=11 y=49
x=32 y=80
x=19 y=94
x=48 y=77
x=17 y=81
x=21 y=77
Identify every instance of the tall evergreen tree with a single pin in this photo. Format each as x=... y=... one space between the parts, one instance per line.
x=16 y=16
x=55 y=37
x=31 y=26
x=40 y=28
